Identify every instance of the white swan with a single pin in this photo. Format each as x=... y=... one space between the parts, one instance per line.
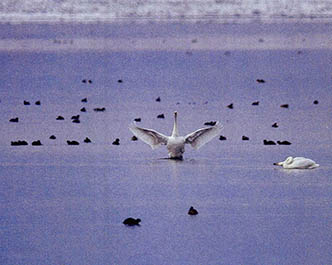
x=175 y=143
x=297 y=162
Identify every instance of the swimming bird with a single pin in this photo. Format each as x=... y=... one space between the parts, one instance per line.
x=75 y=117
x=297 y=162
x=14 y=119
x=262 y=81
x=19 y=142
x=175 y=143
x=210 y=123
x=284 y=106
x=192 y=211
x=268 y=142
x=72 y=142
x=131 y=221
x=116 y=141
x=284 y=143
x=99 y=109
x=36 y=143
x=87 y=140
x=222 y=138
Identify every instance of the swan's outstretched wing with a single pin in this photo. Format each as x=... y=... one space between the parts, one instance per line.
x=200 y=137
x=151 y=137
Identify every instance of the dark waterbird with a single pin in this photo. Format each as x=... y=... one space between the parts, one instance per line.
x=261 y=81
x=14 y=119
x=84 y=100
x=116 y=141
x=161 y=116
x=26 y=103
x=137 y=119
x=245 y=138
x=275 y=125
x=36 y=143
x=38 y=103
x=72 y=142
x=87 y=140
x=99 y=109
x=60 y=118
x=158 y=99
x=192 y=211
x=284 y=143
x=131 y=221
x=19 y=142
x=83 y=109
x=285 y=106
x=268 y=142
x=230 y=106
x=53 y=137
x=256 y=103
x=222 y=138
x=210 y=123
x=134 y=138
x=75 y=117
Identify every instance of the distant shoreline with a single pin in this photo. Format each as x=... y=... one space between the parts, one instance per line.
x=176 y=36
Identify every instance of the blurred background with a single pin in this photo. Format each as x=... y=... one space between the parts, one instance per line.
x=115 y=10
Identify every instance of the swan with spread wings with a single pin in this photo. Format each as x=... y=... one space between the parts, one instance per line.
x=175 y=143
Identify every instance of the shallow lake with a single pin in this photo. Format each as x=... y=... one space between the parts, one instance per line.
x=64 y=204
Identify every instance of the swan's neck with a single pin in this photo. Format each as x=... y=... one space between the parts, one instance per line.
x=175 y=127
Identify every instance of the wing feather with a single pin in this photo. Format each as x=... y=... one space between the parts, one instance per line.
x=200 y=137
x=148 y=136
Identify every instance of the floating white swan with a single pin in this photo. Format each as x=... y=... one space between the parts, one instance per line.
x=175 y=143
x=297 y=162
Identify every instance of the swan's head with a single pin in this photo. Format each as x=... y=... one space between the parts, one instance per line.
x=289 y=160
x=175 y=114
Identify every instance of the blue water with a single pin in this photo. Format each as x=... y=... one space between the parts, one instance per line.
x=65 y=204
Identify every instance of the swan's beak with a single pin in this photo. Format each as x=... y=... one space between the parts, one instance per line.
x=277 y=164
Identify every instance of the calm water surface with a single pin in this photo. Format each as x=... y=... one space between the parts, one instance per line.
x=65 y=204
